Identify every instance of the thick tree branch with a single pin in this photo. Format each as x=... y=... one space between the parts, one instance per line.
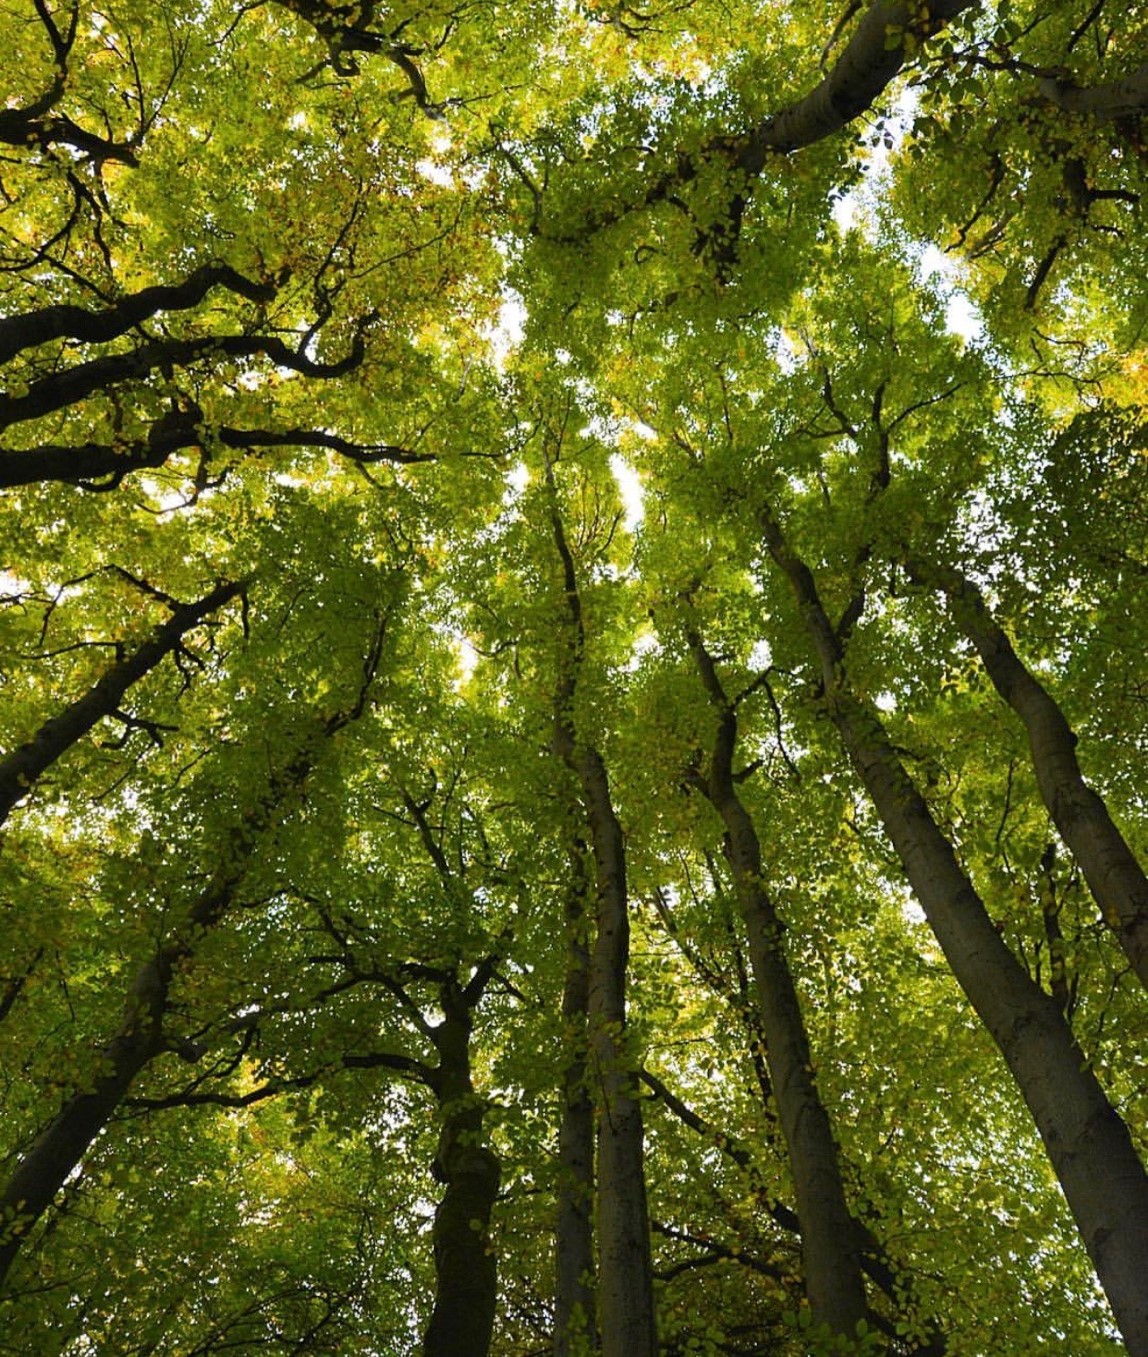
x=18 y=128
x=20 y=769
x=888 y=35
x=26 y=331
x=34 y=124
x=103 y=466
x=1115 y=877
x=61 y=389
x=14 y=985
x=346 y=29
x=1125 y=97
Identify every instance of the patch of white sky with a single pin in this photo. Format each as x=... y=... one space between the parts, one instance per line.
x=517 y=479
x=646 y=643
x=856 y=210
x=506 y=334
x=466 y=658
x=630 y=489
x=13 y=587
x=761 y=656
x=436 y=167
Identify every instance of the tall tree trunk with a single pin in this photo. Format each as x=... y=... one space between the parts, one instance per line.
x=20 y=769
x=1088 y=1144
x=829 y=1235
x=1122 y=98
x=1114 y=876
x=44 y=1169
x=575 y=1317
x=625 y=1269
x=55 y=1153
x=466 y=1270
x=887 y=34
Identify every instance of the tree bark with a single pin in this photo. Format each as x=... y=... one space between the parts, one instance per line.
x=1088 y=1144
x=575 y=1300
x=1121 y=98
x=829 y=1236
x=22 y=129
x=879 y=46
x=33 y=328
x=83 y=463
x=625 y=1268
x=1114 y=876
x=882 y=42
x=466 y=1272
x=20 y=769
x=72 y=385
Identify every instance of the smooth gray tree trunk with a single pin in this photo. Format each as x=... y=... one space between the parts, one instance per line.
x=829 y=1235
x=625 y=1270
x=1087 y=1143
x=1115 y=877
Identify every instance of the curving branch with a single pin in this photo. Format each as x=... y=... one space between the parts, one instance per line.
x=888 y=35
x=61 y=389
x=404 y=1066
x=18 y=127
x=85 y=464
x=879 y=1268
x=14 y=984
x=1121 y=98
x=33 y=328
x=715 y=1252
x=20 y=769
x=37 y=125
x=346 y=29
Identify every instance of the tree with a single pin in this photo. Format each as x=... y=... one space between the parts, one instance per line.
x=572 y=704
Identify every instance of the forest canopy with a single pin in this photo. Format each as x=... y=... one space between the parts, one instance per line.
x=572 y=697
